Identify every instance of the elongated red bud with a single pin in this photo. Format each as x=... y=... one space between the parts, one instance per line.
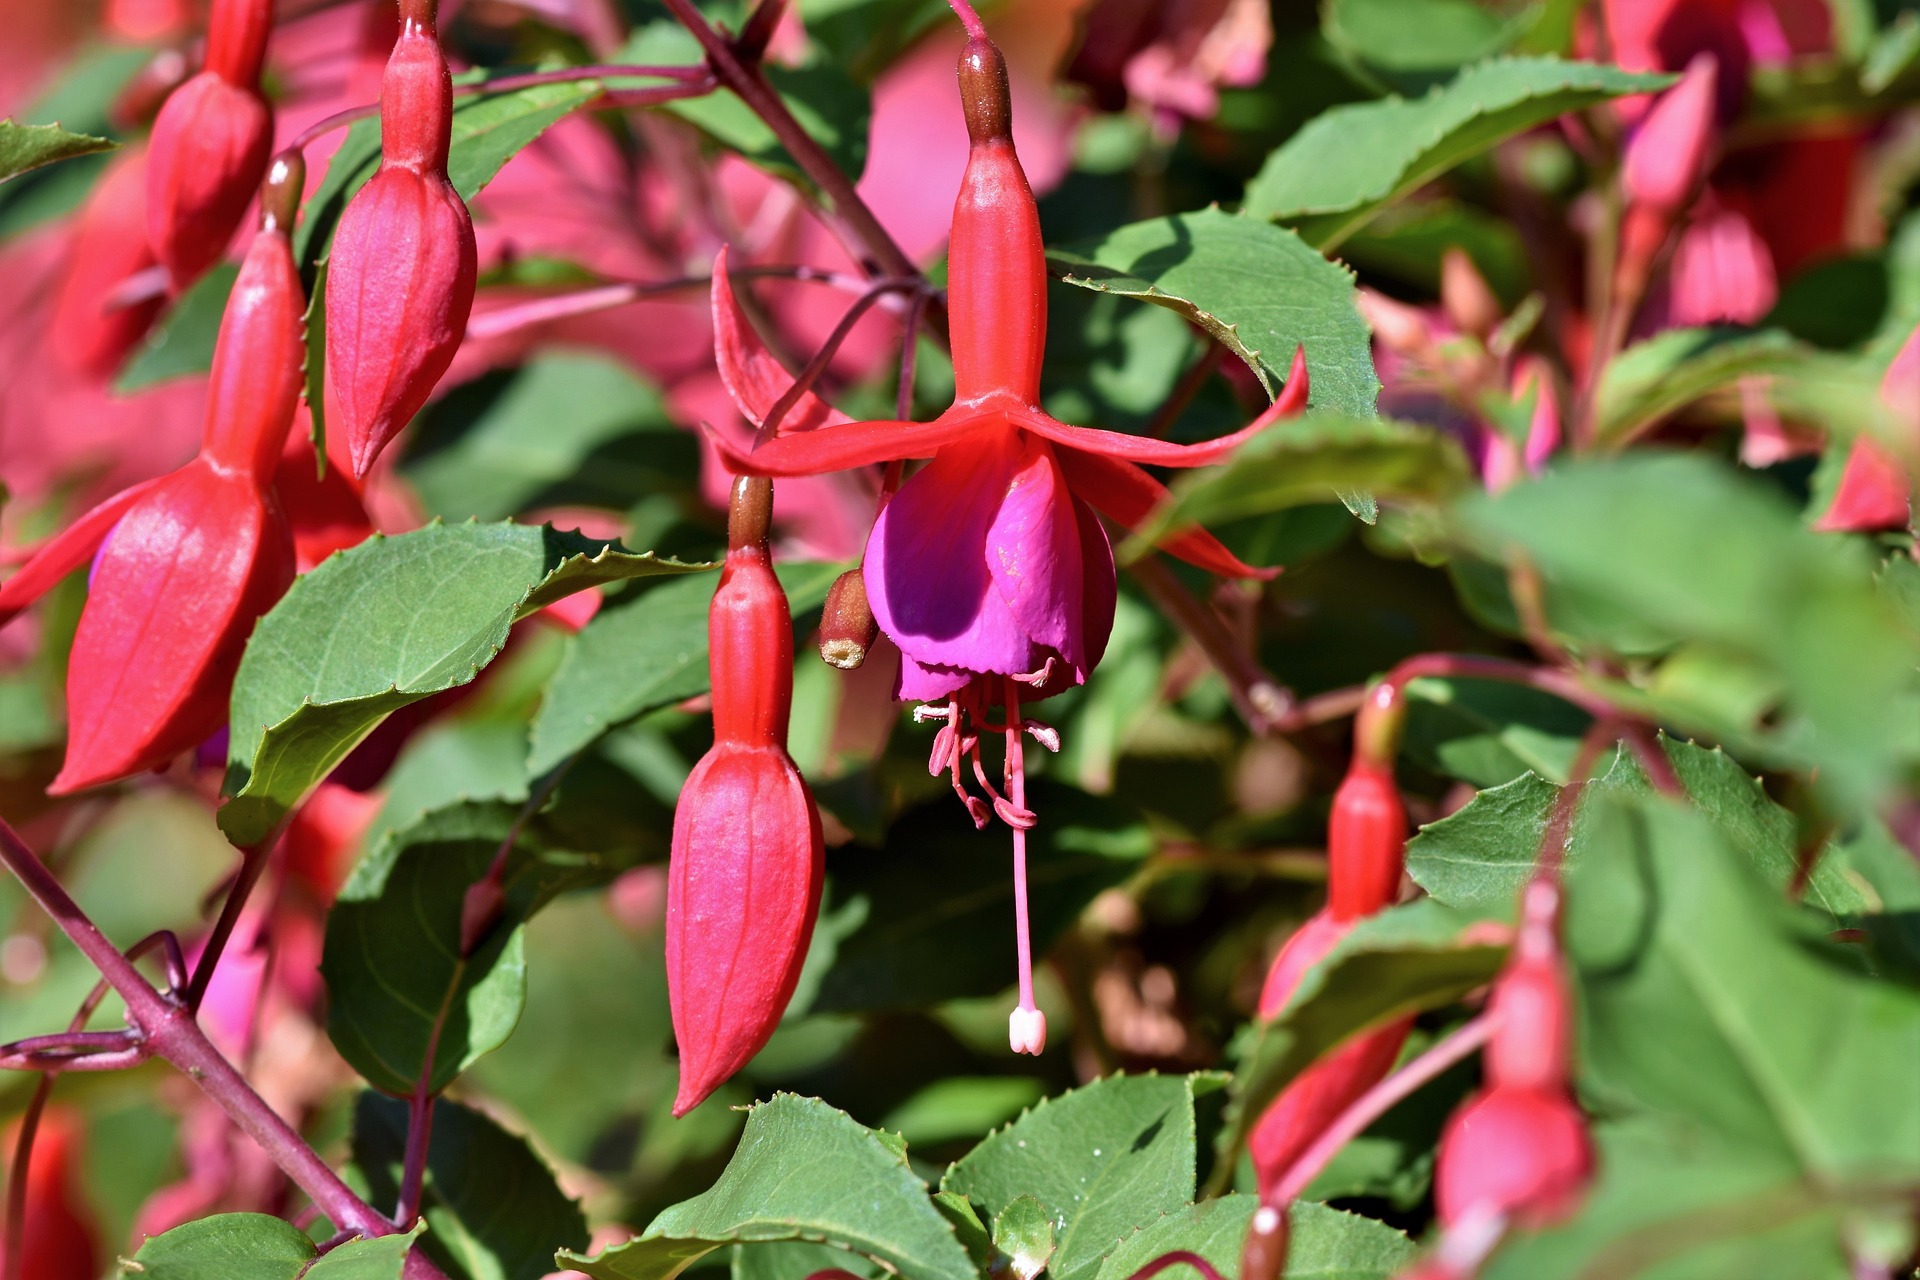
x=1517 y=1153
x=1532 y=1003
x=747 y=860
x=1667 y=155
x=93 y=328
x=847 y=628
x=210 y=145
x=401 y=282
x=996 y=266
x=257 y=359
x=1367 y=829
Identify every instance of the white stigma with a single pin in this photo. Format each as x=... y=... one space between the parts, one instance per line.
x=1027 y=1031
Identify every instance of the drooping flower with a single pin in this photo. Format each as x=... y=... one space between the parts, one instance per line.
x=401 y=283
x=187 y=562
x=1518 y=1150
x=210 y=144
x=746 y=867
x=989 y=568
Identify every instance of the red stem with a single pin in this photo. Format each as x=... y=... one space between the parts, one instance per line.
x=1174 y=1258
x=172 y=1032
x=1376 y=1102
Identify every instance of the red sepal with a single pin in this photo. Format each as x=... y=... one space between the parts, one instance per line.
x=1366 y=842
x=751 y=374
x=1129 y=495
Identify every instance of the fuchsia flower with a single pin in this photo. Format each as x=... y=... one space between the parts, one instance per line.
x=989 y=568
x=187 y=562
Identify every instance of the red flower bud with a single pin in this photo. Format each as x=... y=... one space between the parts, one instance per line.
x=1532 y=1014
x=188 y=562
x=745 y=872
x=210 y=145
x=1875 y=492
x=996 y=266
x=1668 y=154
x=402 y=278
x=1366 y=842
x=91 y=331
x=1519 y=1153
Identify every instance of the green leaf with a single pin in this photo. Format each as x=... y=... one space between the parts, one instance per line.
x=1709 y=998
x=492 y=1208
x=1674 y=1202
x=1486 y=732
x=1302 y=461
x=1404 y=961
x=380 y=1259
x=1352 y=161
x=399 y=992
x=1801 y=606
x=255 y=1246
x=424 y=612
x=1415 y=43
x=1322 y=1243
x=1103 y=1161
x=835 y=111
x=1407 y=242
x=28 y=146
x=803 y=1171
x=927 y=919
x=795 y=1260
x=644 y=651
x=1257 y=289
x=181 y=342
x=961 y=1107
x=1478 y=858
x=566 y=429
x=867 y=36
x=229 y=1246
x=80 y=99
x=1023 y=1233
x=488 y=130
x=1652 y=379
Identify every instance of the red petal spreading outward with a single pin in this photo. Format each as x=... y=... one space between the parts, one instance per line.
x=752 y=376
x=66 y=551
x=175 y=594
x=747 y=861
x=1129 y=495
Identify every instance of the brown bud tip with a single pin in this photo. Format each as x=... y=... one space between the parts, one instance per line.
x=847 y=627
x=480 y=910
x=280 y=192
x=984 y=96
x=1265 y=1254
x=750 y=517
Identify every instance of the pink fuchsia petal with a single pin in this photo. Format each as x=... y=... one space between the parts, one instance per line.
x=1033 y=552
x=1129 y=495
x=175 y=595
x=928 y=580
x=1668 y=155
x=927 y=682
x=1873 y=494
x=853 y=444
x=752 y=376
x=1161 y=453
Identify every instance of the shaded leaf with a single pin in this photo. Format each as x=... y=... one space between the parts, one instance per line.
x=803 y=1171
x=303 y=698
x=644 y=651
x=1413 y=44
x=1350 y=162
x=492 y=1207
x=1023 y=1233
x=400 y=995
x=1257 y=289
x=1303 y=461
x=929 y=917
